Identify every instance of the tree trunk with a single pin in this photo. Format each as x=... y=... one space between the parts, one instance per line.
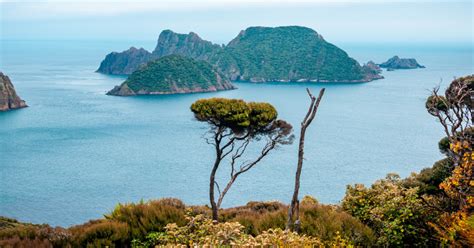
x=212 y=183
x=212 y=179
x=295 y=204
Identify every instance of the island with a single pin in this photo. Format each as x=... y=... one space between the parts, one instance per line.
x=395 y=63
x=124 y=63
x=9 y=100
x=256 y=54
x=173 y=74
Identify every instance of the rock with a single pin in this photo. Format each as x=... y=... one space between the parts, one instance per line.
x=173 y=74
x=400 y=63
x=372 y=71
x=189 y=45
x=8 y=98
x=124 y=63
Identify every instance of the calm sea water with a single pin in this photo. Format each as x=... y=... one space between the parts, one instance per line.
x=75 y=152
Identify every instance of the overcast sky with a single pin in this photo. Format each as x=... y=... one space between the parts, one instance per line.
x=220 y=20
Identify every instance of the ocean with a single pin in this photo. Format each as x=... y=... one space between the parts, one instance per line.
x=75 y=152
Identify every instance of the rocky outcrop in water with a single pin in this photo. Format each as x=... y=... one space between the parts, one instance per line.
x=8 y=98
x=258 y=54
x=395 y=63
x=173 y=74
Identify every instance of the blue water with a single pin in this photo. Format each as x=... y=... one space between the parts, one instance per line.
x=75 y=152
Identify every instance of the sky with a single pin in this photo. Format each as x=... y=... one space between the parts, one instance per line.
x=346 y=21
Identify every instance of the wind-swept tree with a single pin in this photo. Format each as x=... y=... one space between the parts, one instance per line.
x=234 y=124
x=455 y=111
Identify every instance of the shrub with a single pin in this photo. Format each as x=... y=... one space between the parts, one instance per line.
x=201 y=231
x=151 y=216
x=429 y=179
x=395 y=213
x=16 y=234
x=320 y=221
x=101 y=233
x=328 y=222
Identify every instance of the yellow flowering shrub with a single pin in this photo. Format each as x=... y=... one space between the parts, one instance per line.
x=457 y=229
x=203 y=232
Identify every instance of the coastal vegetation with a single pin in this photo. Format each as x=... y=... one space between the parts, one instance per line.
x=432 y=208
x=173 y=74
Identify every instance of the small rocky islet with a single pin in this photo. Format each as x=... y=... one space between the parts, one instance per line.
x=257 y=54
x=396 y=63
x=9 y=99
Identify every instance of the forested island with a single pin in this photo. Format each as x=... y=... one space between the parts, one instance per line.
x=173 y=74
x=257 y=54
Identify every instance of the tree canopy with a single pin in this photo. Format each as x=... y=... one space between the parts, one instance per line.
x=236 y=114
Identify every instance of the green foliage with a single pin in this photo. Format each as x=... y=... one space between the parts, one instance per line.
x=429 y=179
x=285 y=53
x=232 y=113
x=443 y=145
x=235 y=114
x=327 y=222
x=436 y=103
x=173 y=72
x=395 y=213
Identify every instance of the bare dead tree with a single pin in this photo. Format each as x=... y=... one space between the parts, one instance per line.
x=295 y=205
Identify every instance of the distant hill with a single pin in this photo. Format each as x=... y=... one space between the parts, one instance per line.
x=173 y=74
x=126 y=62
x=8 y=98
x=257 y=54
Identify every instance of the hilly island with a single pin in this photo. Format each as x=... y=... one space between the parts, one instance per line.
x=257 y=54
x=173 y=74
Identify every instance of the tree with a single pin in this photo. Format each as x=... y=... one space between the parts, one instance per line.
x=234 y=125
x=454 y=111
x=294 y=206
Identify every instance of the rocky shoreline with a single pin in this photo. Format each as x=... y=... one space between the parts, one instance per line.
x=9 y=100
